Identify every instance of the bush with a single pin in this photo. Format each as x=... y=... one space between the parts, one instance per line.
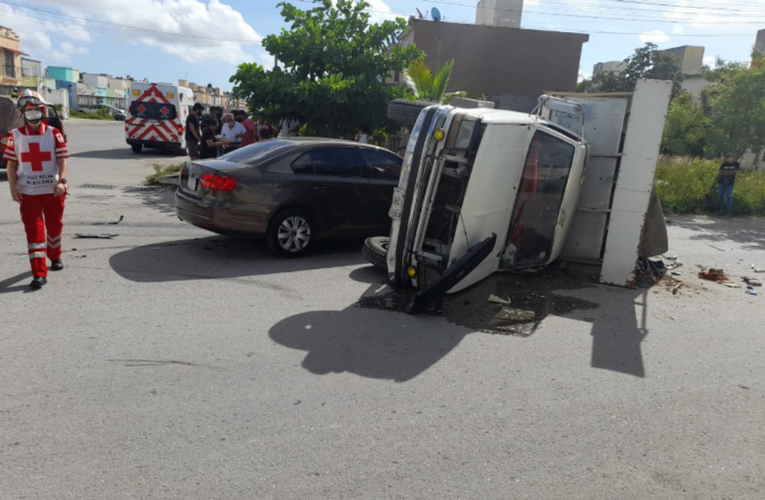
x=689 y=185
x=160 y=172
x=101 y=114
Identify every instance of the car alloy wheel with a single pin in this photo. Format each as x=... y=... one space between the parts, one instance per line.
x=294 y=234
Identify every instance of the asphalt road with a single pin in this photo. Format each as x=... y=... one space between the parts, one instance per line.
x=170 y=363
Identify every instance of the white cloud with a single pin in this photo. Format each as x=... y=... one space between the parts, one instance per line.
x=654 y=36
x=677 y=30
x=193 y=30
x=711 y=14
x=33 y=31
x=380 y=11
x=710 y=61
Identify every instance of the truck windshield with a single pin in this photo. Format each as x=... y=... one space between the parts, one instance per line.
x=153 y=110
x=537 y=208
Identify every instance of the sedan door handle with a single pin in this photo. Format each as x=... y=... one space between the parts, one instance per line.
x=320 y=188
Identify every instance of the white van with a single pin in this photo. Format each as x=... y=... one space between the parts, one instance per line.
x=481 y=190
x=156 y=116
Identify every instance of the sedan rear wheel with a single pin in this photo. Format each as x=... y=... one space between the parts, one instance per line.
x=291 y=233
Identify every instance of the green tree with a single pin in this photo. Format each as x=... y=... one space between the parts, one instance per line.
x=687 y=128
x=647 y=62
x=426 y=85
x=333 y=66
x=736 y=106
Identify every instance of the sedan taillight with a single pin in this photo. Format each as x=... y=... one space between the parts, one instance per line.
x=218 y=182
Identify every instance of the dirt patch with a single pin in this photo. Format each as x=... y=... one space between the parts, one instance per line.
x=532 y=298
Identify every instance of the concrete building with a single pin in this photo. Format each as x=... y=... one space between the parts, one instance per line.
x=60 y=73
x=10 y=58
x=97 y=81
x=759 y=42
x=494 y=61
x=690 y=58
x=31 y=72
x=609 y=67
x=499 y=13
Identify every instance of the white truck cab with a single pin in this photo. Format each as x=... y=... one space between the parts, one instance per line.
x=482 y=189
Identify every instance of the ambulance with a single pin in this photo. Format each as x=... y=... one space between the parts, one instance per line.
x=157 y=115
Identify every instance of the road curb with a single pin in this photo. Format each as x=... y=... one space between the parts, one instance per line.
x=170 y=180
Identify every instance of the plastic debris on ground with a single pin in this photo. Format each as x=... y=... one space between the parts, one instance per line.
x=751 y=292
x=750 y=281
x=96 y=236
x=497 y=300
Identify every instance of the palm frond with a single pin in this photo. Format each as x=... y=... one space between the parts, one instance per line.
x=422 y=78
x=441 y=80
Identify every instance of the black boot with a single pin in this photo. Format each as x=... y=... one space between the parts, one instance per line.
x=38 y=282
x=56 y=265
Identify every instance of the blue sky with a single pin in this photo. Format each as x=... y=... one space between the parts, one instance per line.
x=204 y=40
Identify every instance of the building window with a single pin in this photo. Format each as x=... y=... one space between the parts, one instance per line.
x=9 y=61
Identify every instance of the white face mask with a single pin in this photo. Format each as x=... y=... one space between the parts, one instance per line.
x=33 y=115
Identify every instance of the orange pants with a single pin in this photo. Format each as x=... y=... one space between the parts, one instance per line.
x=41 y=212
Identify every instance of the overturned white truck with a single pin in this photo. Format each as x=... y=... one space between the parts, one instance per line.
x=483 y=190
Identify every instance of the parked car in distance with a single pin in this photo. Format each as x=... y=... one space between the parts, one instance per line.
x=118 y=114
x=291 y=191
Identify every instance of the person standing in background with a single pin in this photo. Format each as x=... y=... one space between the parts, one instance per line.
x=289 y=125
x=726 y=178
x=365 y=135
x=263 y=126
x=251 y=130
x=193 y=135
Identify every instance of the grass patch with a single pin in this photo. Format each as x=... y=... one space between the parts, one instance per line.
x=689 y=185
x=160 y=171
x=101 y=114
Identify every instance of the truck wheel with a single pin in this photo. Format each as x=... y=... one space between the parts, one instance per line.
x=136 y=148
x=375 y=250
x=404 y=113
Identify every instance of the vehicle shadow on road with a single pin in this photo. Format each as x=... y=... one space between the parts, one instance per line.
x=222 y=257
x=374 y=342
x=127 y=154
x=749 y=232
x=368 y=343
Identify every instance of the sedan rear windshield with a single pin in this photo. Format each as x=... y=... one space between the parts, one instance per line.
x=258 y=152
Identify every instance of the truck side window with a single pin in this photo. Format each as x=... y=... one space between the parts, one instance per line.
x=382 y=165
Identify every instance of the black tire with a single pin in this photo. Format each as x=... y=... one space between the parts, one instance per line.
x=375 y=250
x=404 y=113
x=136 y=148
x=285 y=230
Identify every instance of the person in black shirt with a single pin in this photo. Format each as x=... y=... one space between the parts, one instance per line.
x=193 y=134
x=725 y=180
x=208 y=148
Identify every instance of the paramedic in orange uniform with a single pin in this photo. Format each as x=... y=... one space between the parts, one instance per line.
x=36 y=155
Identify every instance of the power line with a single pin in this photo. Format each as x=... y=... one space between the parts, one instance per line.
x=126 y=27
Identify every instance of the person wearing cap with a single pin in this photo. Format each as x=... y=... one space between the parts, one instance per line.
x=36 y=155
x=726 y=178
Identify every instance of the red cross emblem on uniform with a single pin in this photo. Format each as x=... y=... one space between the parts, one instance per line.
x=141 y=109
x=164 y=111
x=36 y=157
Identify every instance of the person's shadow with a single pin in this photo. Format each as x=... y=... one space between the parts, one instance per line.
x=16 y=283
